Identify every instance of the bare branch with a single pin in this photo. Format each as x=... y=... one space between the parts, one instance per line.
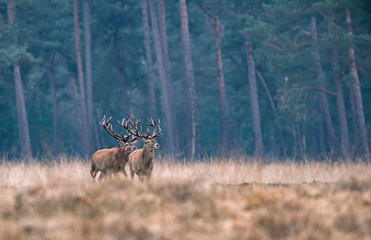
x=267 y=92
x=322 y=90
x=275 y=47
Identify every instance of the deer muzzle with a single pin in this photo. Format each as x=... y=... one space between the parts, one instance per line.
x=156 y=146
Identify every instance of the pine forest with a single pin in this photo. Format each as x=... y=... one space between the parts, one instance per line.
x=282 y=79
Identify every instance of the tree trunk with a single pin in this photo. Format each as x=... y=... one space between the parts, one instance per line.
x=223 y=102
x=163 y=39
x=357 y=91
x=85 y=141
x=273 y=106
x=119 y=65
x=23 y=130
x=188 y=73
x=331 y=139
x=167 y=66
x=56 y=126
x=269 y=95
x=170 y=130
x=299 y=149
x=344 y=133
x=259 y=147
x=76 y=108
x=352 y=101
x=149 y=66
x=92 y=130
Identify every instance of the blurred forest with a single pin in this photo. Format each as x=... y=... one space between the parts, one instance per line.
x=280 y=78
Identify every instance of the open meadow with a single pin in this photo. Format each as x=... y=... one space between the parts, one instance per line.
x=215 y=199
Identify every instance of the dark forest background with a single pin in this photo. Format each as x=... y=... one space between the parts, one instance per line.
x=272 y=78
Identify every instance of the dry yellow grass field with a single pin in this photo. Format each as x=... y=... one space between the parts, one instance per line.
x=217 y=199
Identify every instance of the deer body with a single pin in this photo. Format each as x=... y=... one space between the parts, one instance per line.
x=113 y=160
x=110 y=161
x=141 y=162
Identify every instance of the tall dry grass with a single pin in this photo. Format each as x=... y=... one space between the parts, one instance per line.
x=214 y=199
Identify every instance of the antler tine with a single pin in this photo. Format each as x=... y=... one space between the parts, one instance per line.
x=124 y=125
x=156 y=126
x=108 y=127
x=104 y=121
x=134 y=123
x=133 y=129
x=151 y=122
x=131 y=126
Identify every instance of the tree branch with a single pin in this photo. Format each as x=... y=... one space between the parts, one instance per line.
x=274 y=46
x=267 y=92
x=322 y=90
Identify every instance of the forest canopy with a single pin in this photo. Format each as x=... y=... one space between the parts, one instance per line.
x=271 y=78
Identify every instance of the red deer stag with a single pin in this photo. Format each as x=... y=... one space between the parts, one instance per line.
x=113 y=160
x=141 y=160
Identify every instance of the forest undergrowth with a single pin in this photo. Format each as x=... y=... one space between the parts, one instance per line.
x=213 y=199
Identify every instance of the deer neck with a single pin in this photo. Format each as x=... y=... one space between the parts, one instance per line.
x=121 y=152
x=148 y=153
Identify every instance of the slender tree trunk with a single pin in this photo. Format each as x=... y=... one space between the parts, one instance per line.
x=299 y=150
x=76 y=108
x=331 y=139
x=170 y=133
x=357 y=91
x=344 y=133
x=23 y=130
x=124 y=92
x=119 y=65
x=149 y=66
x=269 y=95
x=92 y=130
x=98 y=115
x=259 y=147
x=24 y=135
x=352 y=101
x=273 y=106
x=223 y=102
x=188 y=72
x=85 y=141
x=167 y=65
x=163 y=40
x=56 y=126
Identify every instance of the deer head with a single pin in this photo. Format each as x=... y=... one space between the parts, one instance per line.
x=148 y=139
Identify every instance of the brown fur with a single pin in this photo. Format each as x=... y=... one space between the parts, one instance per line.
x=141 y=160
x=111 y=161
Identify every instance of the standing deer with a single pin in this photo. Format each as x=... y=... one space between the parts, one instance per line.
x=141 y=160
x=113 y=160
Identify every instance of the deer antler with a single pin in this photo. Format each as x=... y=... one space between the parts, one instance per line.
x=156 y=126
x=108 y=127
x=133 y=128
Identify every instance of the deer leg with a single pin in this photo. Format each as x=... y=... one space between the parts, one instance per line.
x=131 y=172
x=124 y=172
x=102 y=175
x=149 y=174
x=93 y=171
x=141 y=178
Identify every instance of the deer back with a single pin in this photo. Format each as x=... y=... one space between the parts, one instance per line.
x=106 y=158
